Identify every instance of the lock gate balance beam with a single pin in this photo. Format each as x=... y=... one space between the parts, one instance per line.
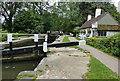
x=27 y=49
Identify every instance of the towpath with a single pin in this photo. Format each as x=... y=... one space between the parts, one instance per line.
x=111 y=62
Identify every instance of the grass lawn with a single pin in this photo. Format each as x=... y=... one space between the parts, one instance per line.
x=97 y=70
x=66 y=39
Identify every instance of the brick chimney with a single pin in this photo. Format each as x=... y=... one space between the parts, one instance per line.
x=98 y=11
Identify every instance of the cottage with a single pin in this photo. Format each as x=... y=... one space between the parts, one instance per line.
x=102 y=25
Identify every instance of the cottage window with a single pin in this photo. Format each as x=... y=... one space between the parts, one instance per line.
x=101 y=33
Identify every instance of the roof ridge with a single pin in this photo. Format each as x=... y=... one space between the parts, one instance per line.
x=101 y=16
x=93 y=20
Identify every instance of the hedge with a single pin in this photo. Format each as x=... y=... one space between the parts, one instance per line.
x=110 y=45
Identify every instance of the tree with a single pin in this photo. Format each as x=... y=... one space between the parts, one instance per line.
x=64 y=16
x=9 y=10
x=28 y=22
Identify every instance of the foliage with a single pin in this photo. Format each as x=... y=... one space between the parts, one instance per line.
x=3 y=37
x=109 y=45
x=9 y=10
x=99 y=71
x=26 y=75
x=28 y=22
x=37 y=17
x=76 y=30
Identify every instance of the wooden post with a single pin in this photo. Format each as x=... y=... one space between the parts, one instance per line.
x=10 y=46
x=45 y=49
x=45 y=46
x=46 y=37
x=36 y=43
x=36 y=40
x=9 y=39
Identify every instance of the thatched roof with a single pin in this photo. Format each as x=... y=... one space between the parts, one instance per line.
x=109 y=27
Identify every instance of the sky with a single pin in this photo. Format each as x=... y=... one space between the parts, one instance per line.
x=115 y=2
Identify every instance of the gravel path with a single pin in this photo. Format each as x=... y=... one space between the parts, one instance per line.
x=108 y=60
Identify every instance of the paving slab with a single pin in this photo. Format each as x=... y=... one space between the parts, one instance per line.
x=64 y=63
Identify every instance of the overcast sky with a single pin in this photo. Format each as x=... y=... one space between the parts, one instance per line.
x=115 y=2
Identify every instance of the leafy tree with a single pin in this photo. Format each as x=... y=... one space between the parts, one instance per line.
x=9 y=10
x=76 y=29
x=37 y=17
x=28 y=22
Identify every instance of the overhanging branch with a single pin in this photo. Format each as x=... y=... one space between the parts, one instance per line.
x=5 y=9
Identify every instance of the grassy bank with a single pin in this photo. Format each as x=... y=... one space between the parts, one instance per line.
x=97 y=70
x=66 y=39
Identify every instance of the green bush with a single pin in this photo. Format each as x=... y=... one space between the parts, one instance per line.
x=109 y=45
x=3 y=37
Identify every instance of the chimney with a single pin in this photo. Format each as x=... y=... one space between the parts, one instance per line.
x=98 y=11
x=89 y=17
x=119 y=7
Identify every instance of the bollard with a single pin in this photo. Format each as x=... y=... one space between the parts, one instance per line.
x=9 y=39
x=36 y=40
x=82 y=42
x=45 y=46
x=45 y=49
x=36 y=43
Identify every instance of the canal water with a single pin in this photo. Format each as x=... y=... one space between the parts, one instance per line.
x=11 y=70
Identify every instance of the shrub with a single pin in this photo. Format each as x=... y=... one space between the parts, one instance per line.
x=109 y=45
x=3 y=37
